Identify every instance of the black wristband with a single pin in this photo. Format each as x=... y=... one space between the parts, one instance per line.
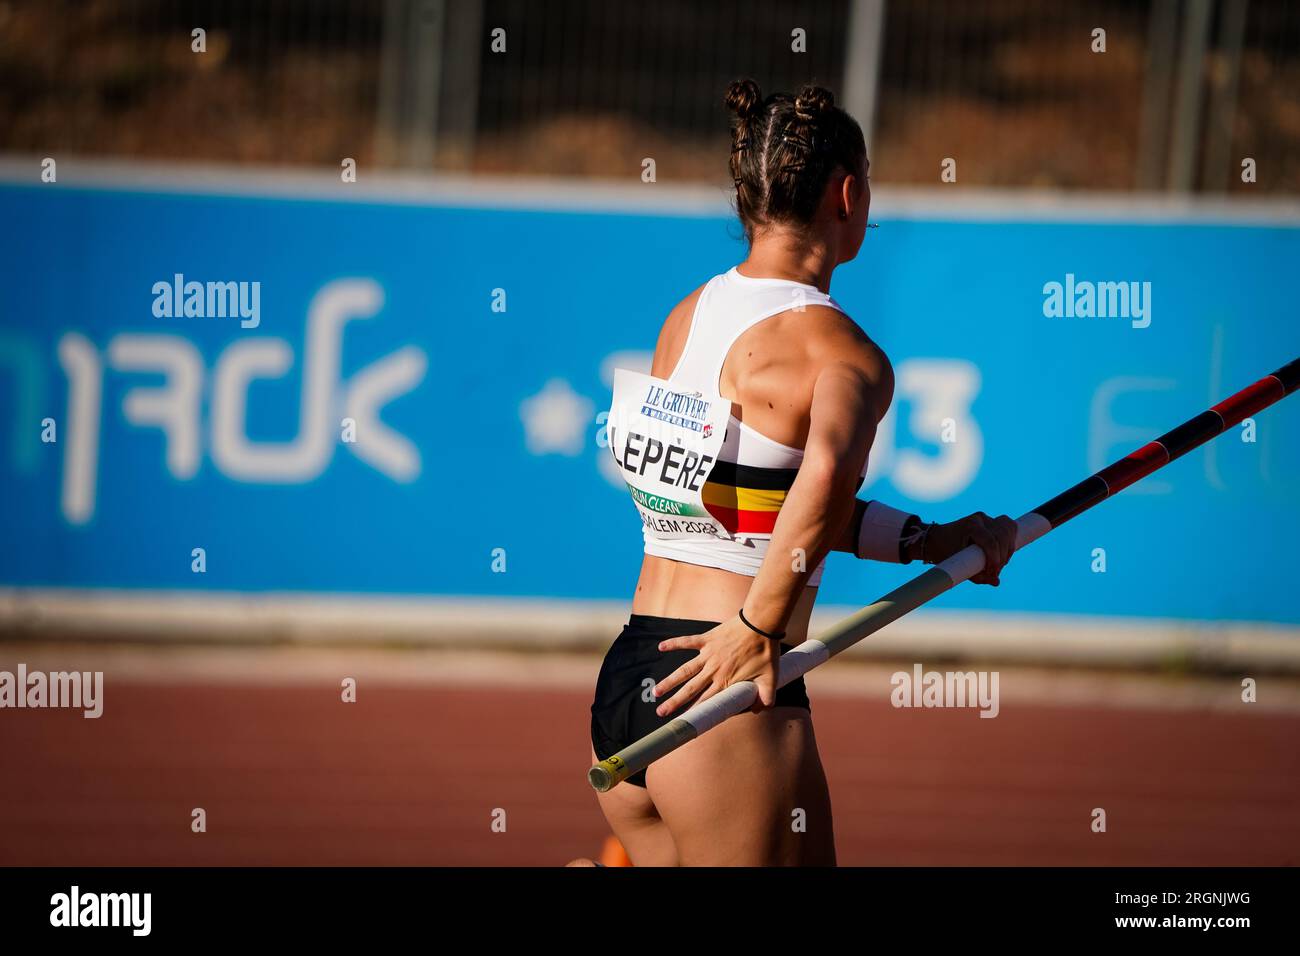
x=912 y=529
x=758 y=630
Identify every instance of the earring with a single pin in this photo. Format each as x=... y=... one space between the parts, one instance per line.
x=843 y=215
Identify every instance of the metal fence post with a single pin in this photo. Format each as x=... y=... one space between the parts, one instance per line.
x=410 y=75
x=862 y=63
x=460 y=82
x=1184 y=141
x=1223 y=100
x=1154 y=137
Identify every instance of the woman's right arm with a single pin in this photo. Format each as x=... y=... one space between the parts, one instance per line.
x=849 y=398
x=848 y=403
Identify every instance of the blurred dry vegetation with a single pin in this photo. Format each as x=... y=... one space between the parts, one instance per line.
x=1009 y=88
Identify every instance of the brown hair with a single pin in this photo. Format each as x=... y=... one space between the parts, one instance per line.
x=784 y=150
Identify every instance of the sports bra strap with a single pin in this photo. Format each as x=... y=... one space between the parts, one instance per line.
x=730 y=305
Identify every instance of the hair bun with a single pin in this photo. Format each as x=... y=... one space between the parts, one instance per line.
x=743 y=98
x=811 y=102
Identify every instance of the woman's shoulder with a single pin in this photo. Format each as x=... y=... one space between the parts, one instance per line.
x=824 y=333
x=674 y=333
x=822 y=338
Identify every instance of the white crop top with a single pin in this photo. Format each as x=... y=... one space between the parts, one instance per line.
x=707 y=500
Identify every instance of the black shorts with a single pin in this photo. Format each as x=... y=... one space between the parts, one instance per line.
x=619 y=714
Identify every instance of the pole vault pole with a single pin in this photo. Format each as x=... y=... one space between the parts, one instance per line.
x=963 y=565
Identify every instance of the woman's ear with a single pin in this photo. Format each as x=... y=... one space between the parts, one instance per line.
x=848 y=198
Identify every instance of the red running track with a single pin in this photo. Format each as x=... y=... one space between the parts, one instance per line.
x=412 y=775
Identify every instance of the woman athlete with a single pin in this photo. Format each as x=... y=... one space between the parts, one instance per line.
x=743 y=450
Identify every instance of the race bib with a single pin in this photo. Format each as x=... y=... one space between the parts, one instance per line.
x=665 y=441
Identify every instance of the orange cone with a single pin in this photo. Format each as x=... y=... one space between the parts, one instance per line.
x=613 y=854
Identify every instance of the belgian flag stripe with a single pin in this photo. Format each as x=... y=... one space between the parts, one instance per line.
x=748 y=476
x=744 y=499
x=737 y=521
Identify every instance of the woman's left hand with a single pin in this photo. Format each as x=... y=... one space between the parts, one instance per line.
x=729 y=653
x=996 y=537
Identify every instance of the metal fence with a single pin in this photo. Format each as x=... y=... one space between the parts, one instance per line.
x=1014 y=92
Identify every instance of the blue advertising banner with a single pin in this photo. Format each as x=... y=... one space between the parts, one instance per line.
x=406 y=398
